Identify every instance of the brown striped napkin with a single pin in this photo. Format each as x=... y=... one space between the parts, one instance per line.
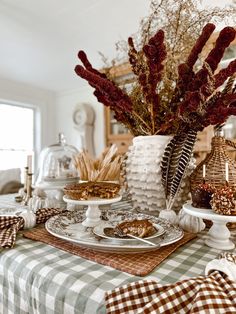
x=10 y=225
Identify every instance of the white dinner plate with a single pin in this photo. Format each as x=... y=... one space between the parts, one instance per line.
x=68 y=226
x=100 y=231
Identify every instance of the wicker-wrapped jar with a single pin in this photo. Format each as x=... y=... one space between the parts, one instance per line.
x=215 y=163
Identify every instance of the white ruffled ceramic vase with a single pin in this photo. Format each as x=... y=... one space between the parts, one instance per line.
x=143 y=174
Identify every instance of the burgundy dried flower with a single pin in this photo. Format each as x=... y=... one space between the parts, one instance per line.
x=106 y=88
x=155 y=53
x=207 y=30
x=133 y=59
x=195 y=103
x=202 y=84
x=185 y=70
x=219 y=110
x=190 y=103
x=200 y=79
x=82 y=56
x=223 y=74
x=225 y=37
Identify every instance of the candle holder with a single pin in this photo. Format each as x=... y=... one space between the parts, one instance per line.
x=22 y=191
x=25 y=179
x=28 y=189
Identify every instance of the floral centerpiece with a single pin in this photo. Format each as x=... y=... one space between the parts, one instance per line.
x=194 y=99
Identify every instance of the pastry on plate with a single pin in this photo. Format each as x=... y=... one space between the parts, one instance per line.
x=142 y=228
x=88 y=190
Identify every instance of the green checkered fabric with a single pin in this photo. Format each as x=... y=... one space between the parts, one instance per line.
x=37 y=278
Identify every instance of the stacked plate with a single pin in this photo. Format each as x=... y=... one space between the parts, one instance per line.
x=68 y=226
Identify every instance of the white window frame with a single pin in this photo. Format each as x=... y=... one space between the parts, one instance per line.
x=37 y=127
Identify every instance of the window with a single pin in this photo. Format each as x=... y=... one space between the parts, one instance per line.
x=16 y=135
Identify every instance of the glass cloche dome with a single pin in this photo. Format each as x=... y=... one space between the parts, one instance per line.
x=56 y=164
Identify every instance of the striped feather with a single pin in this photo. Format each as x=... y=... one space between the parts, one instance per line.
x=170 y=160
x=165 y=164
x=182 y=166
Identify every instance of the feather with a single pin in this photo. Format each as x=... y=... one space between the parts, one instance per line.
x=170 y=160
x=183 y=162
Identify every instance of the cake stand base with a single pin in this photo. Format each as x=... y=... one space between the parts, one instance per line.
x=218 y=236
x=93 y=213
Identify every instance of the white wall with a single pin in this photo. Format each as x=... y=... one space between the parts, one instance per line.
x=42 y=100
x=65 y=106
x=56 y=111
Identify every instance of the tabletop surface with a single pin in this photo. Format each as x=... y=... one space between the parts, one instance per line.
x=38 y=278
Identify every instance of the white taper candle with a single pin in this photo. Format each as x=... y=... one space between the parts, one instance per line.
x=227 y=171
x=29 y=163
x=204 y=171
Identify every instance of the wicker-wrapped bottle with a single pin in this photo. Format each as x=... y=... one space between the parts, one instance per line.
x=215 y=163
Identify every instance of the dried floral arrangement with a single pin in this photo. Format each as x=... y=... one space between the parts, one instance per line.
x=182 y=104
x=105 y=168
x=182 y=22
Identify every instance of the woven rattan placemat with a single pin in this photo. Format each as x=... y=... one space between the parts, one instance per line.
x=135 y=264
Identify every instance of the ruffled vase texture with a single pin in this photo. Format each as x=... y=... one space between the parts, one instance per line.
x=143 y=174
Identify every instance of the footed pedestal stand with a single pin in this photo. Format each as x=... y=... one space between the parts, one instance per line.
x=93 y=213
x=218 y=235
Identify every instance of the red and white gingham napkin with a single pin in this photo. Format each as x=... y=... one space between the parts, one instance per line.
x=10 y=225
x=215 y=293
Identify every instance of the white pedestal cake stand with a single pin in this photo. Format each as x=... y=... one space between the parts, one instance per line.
x=93 y=212
x=218 y=236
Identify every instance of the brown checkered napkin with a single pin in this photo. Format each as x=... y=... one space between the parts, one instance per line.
x=10 y=225
x=212 y=294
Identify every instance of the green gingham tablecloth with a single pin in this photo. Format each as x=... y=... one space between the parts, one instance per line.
x=37 y=278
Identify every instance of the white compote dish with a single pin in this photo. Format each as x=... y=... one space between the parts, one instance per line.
x=218 y=235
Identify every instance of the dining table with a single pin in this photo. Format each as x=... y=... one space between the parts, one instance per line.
x=39 y=278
